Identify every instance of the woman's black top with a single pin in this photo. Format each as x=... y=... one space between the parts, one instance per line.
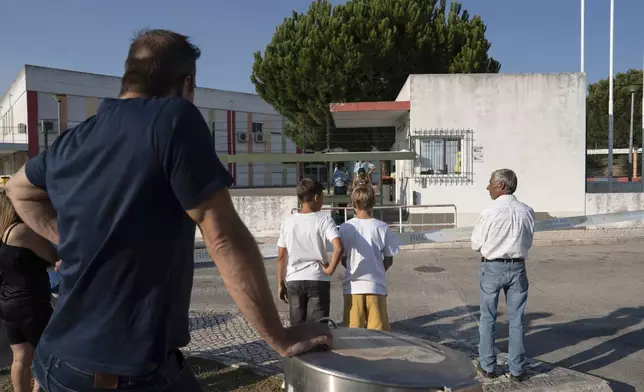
x=23 y=275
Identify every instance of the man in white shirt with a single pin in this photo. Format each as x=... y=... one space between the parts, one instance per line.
x=503 y=235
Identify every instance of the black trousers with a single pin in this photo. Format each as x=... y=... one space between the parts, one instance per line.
x=340 y=190
x=308 y=300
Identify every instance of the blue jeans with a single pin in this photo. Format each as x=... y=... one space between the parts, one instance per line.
x=56 y=375
x=511 y=277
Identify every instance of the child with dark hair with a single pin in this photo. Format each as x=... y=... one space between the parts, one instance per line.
x=302 y=251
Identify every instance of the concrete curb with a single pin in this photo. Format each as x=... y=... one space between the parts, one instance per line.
x=466 y=244
x=537 y=242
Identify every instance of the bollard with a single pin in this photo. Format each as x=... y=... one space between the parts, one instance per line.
x=364 y=360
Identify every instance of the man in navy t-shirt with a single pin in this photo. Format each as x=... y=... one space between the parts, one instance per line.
x=120 y=195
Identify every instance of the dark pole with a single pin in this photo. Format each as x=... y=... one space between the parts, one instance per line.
x=45 y=132
x=328 y=149
x=59 y=116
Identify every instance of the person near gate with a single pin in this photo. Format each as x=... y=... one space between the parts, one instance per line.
x=503 y=235
x=365 y=166
x=340 y=180
x=121 y=195
x=370 y=247
x=25 y=298
x=301 y=252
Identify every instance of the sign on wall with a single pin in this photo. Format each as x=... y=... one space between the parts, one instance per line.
x=478 y=153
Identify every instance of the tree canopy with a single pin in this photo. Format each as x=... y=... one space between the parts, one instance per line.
x=362 y=50
x=597 y=111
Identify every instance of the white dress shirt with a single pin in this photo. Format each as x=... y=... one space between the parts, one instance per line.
x=504 y=230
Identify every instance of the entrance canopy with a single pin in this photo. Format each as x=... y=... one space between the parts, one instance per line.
x=368 y=114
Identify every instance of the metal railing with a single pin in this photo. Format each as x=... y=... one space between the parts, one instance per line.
x=406 y=218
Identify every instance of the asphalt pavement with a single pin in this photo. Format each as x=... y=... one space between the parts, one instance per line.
x=585 y=310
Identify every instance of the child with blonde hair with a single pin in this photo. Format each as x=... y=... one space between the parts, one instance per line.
x=370 y=247
x=361 y=179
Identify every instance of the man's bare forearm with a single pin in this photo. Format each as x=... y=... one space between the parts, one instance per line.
x=241 y=266
x=40 y=216
x=33 y=206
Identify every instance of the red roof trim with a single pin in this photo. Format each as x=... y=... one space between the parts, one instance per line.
x=370 y=106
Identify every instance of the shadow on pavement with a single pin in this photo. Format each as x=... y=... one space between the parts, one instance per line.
x=545 y=339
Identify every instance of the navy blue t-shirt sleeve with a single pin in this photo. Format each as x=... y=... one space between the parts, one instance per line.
x=190 y=161
x=36 y=170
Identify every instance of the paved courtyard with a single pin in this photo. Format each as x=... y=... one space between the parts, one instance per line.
x=585 y=309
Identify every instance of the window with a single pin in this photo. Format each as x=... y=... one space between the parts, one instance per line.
x=440 y=156
x=444 y=155
x=258 y=128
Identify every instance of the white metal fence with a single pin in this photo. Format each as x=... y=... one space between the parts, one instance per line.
x=406 y=218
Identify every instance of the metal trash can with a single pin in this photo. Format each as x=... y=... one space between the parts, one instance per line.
x=365 y=360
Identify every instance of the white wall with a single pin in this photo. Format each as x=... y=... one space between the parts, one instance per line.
x=603 y=203
x=13 y=111
x=264 y=214
x=533 y=124
x=405 y=91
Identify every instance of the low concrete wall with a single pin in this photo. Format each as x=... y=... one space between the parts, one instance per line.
x=263 y=215
x=603 y=203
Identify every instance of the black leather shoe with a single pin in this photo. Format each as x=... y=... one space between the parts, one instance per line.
x=520 y=378
x=483 y=373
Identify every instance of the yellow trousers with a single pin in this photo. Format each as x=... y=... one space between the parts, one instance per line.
x=366 y=311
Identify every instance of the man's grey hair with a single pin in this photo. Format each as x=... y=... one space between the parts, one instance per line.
x=507 y=177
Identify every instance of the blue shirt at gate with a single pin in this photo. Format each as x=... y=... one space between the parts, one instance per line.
x=120 y=183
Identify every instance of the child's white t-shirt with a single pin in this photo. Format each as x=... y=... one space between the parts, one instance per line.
x=304 y=236
x=366 y=243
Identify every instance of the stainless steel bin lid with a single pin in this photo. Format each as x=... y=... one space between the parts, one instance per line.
x=391 y=359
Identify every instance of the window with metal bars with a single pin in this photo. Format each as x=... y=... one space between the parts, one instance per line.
x=440 y=156
x=444 y=156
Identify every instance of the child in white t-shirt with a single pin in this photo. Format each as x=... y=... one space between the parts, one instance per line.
x=369 y=247
x=301 y=254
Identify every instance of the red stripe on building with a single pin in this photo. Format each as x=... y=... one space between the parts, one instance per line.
x=33 y=144
x=229 y=139
x=234 y=122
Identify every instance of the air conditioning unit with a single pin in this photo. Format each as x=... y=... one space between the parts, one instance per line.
x=259 y=138
x=22 y=128
x=242 y=137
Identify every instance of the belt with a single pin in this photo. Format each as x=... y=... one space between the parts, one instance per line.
x=517 y=260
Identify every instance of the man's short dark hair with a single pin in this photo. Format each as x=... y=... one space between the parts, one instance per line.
x=307 y=189
x=158 y=62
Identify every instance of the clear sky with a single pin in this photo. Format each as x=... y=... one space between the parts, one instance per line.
x=92 y=36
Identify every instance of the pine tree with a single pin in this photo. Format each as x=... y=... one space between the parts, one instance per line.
x=362 y=50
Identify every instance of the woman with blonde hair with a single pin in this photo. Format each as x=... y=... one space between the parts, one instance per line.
x=25 y=297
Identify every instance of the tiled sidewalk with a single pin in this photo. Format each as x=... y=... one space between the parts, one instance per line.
x=227 y=337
